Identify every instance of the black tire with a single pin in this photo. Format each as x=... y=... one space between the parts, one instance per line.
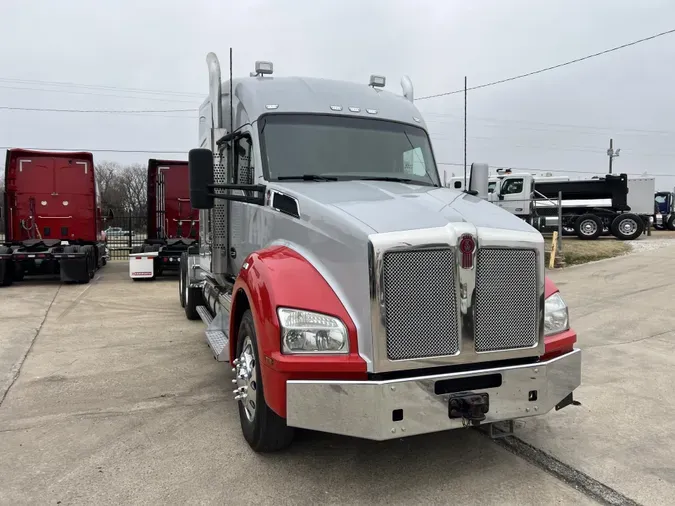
x=627 y=226
x=193 y=299
x=670 y=224
x=8 y=276
x=91 y=260
x=588 y=227
x=264 y=431
x=182 y=272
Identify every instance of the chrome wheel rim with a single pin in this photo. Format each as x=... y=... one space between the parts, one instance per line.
x=589 y=227
x=627 y=227
x=246 y=378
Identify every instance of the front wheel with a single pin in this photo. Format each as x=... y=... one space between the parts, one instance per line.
x=263 y=429
x=670 y=224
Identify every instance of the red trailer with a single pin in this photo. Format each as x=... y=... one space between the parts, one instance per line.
x=52 y=216
x=173 y=226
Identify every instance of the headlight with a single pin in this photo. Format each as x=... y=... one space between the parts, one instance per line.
x=556 y=316
x=308 y=332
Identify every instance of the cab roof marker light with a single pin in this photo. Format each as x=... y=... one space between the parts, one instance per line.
x=272 y=106
x=355 y=109
x=377 y=81
x=336 y=107
x=371 y=111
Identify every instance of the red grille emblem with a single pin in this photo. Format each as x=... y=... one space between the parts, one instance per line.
x=467 y=246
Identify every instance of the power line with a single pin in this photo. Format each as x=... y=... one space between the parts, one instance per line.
x=602 y=130
x=454 y=164
x=22 y=88
x=151 y=151
x=520 y=76
x=102 y=111
x=98 y=86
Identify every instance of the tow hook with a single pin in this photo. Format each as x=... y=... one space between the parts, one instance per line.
x=471 y=408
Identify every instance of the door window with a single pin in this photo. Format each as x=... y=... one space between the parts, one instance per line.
x=512 y=186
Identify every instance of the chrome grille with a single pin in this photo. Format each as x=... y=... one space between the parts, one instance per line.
x=420 y=303
x=506 y=299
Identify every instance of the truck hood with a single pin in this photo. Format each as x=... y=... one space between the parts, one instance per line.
x=384 y=206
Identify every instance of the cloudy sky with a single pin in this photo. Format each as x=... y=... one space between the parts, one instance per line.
x=141 y=55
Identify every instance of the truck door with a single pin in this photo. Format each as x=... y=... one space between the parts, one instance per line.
x=34 y=185
x=73 y=203
x=514 y=196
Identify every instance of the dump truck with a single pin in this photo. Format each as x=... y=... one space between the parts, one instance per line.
x=351 y=292
x=621 y=205
x=52 y=216
x=172 y=225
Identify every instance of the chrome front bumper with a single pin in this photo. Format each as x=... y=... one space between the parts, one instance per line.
x=365 y=408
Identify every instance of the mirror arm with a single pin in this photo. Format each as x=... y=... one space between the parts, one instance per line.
x=231 y=186
x=232 y=136
x=260 y=200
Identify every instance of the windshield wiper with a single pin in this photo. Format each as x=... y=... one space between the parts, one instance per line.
x=307 y=177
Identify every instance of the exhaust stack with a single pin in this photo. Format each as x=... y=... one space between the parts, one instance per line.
x=215 y=89
x=407 y=86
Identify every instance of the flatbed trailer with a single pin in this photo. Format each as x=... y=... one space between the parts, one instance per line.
x=52 y=215
x=172 y=225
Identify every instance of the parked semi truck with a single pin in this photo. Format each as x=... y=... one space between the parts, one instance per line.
x=52 y=216
x=624 y=206
x=664 y=210
x=173 y=225
x=351 y=292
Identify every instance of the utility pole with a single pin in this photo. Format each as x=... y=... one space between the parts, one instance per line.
x=612 y=154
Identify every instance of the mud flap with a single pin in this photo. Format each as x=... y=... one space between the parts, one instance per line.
x=6 y=270
x=74 y=269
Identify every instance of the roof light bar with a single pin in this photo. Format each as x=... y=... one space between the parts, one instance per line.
x=264 y=67
x=377 y=81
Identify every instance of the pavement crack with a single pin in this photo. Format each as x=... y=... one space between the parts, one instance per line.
x=580 y=481
x=639 y=340
x=17 y=372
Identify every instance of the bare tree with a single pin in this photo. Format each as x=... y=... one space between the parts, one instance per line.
x=133 y=181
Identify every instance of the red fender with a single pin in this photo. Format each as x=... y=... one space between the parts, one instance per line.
x=560 y=343
x=278 y=276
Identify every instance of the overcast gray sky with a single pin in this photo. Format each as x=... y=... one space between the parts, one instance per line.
x=559 y=120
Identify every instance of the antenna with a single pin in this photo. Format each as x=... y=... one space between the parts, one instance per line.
x=231 y=110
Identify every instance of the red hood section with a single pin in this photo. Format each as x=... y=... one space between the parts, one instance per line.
x=549 y=287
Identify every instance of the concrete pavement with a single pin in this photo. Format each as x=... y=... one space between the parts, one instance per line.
x=623 y=433
x=120 y=402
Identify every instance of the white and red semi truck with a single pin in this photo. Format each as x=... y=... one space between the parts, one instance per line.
x=52 y=216
x=172 y=225
x=349 y=290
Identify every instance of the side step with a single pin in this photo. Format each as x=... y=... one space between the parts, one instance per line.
x=216 y=338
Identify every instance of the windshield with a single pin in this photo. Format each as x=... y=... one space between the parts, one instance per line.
x=343 y=148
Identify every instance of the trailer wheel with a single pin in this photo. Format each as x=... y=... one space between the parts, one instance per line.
x=263 y=429
x=588 y=226
x=627 y=226
x=670 y=224
x=6 y=275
